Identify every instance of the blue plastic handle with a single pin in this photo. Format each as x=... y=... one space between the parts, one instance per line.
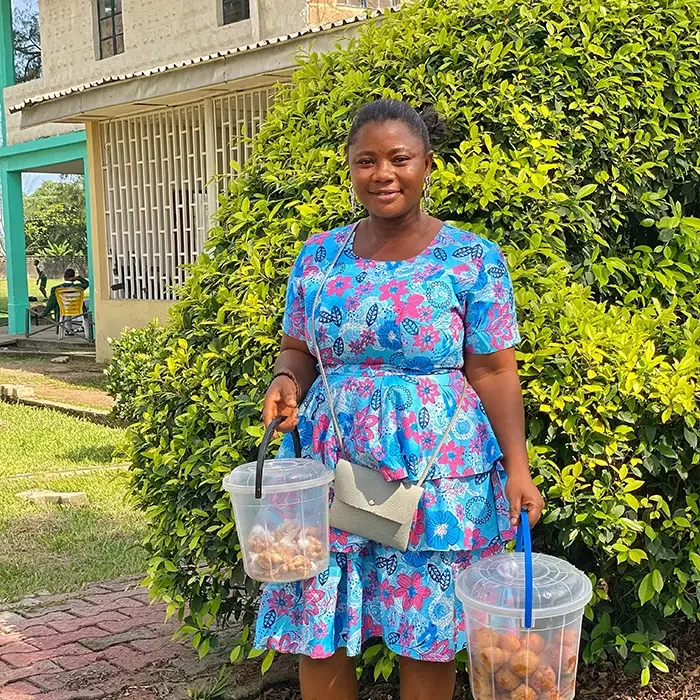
x=524 y=544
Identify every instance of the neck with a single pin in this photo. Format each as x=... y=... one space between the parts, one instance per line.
x=409 y=224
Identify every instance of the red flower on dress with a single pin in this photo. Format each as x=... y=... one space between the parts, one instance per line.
x=411 y=591
x=427 y=390
x=409 y=309
x=339 y=285
x=426 y=338
x=393 y=291
x=452 y=454
x=418 y=527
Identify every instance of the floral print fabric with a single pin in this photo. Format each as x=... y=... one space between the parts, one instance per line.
x=393 y=336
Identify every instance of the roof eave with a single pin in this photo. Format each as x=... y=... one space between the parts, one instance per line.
x=150 y=88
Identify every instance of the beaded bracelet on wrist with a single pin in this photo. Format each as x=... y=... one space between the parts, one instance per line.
x=289 y=375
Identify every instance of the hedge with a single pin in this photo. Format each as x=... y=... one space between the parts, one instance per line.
x=574 y=143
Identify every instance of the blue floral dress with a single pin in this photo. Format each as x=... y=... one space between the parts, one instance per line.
x=393 y=336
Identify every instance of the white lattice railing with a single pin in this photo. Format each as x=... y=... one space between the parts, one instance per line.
x=159 y=192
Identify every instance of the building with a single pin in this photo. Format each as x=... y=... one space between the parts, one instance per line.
x=150 y=100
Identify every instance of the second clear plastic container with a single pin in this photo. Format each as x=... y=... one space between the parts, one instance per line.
x=524 y=625
x=281 y=512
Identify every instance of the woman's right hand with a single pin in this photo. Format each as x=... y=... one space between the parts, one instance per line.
x=281 y=400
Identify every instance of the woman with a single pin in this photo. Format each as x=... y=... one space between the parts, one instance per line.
x=412 y=309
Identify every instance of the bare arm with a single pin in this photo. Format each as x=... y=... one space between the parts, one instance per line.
x=282 y=397
x=495 y=379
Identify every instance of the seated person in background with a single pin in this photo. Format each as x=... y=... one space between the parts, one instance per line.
x=70 y=280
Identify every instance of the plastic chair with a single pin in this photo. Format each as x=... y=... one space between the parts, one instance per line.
x=70 y=305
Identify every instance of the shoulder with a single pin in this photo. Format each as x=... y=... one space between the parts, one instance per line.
x=327 y=239
x=317 y=248
x=465 y=243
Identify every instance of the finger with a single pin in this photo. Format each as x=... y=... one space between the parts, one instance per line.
x=515 y=508
x=289 y=396
x=270 y=406
x=534 y=511
x=289 y=424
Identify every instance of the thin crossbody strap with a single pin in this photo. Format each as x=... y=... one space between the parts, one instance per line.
x=317 y=350
x=324 y=378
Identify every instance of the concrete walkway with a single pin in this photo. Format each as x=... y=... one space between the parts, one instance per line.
x=105 y=641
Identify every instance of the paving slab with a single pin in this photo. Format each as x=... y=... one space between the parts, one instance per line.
x=105 y=642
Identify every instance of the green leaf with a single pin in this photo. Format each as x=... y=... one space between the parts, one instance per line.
x=586 y=190
x=267 y=661
x=657 y=580
x=203 y=648
x=646 y=589
x=695 y=559
x=372 y=651
x=646 y=676
x=658 y=663
x=691 y=437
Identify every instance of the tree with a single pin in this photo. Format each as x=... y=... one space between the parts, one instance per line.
x=27 y=43
x=54 y=217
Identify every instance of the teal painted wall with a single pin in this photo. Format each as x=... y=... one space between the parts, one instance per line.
x=13 y=217
x=15 y=159
x=7 y=63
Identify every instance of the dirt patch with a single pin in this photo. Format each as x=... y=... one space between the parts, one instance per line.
x=89 y=398
x=600 y=682
x=79 y=382
x=606 y=682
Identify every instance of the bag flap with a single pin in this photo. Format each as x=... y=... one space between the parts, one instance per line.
x=366 y=489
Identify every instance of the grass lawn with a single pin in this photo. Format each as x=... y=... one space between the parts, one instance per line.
x=79 y=382
x=33 y=291
x=34 y=440
x=60 y=548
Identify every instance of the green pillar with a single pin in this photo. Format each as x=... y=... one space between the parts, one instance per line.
x=88 y=229
x=7 y=63
x=13 y=216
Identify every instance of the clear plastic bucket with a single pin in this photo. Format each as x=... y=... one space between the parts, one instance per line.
x=523 y=614
x=281 y=512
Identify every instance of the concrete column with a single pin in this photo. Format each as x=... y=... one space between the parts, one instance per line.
x=88 y=222
x=7 y=62
x=15 y=247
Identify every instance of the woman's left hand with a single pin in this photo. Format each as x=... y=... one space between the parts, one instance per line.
x=521 y=492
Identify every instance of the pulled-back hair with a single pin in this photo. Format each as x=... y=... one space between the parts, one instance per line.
x=426 y=125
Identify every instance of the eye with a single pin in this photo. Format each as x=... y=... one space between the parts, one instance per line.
x=364 y=161
x=401 y=159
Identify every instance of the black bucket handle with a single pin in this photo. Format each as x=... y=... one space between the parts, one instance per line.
x=267 y=437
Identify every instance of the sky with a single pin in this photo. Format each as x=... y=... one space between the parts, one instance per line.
x=23 y=4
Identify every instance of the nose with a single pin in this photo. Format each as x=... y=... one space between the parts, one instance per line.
x=383 y=172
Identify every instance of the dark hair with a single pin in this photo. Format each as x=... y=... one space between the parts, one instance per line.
x=69 y=273
x=426 y=124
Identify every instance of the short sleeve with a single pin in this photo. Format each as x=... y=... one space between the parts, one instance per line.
x=490 y=319
x=294 y=320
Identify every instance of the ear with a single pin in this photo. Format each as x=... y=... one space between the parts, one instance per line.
x=429 y=157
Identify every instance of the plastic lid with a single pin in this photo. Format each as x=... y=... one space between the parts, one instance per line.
x=279 y=475
x=496 y=585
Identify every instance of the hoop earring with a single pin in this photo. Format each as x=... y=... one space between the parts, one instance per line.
x=427 y=199
x=353 y=200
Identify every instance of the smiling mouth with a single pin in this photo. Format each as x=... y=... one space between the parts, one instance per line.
x=385 y=194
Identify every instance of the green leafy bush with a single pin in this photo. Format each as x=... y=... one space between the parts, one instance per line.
x=134 y=356
x=573 y=142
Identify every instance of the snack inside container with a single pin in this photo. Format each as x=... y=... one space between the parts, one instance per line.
x=281 y=512
x=523 y=613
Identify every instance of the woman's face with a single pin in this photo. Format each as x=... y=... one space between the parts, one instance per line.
x=388 y=168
